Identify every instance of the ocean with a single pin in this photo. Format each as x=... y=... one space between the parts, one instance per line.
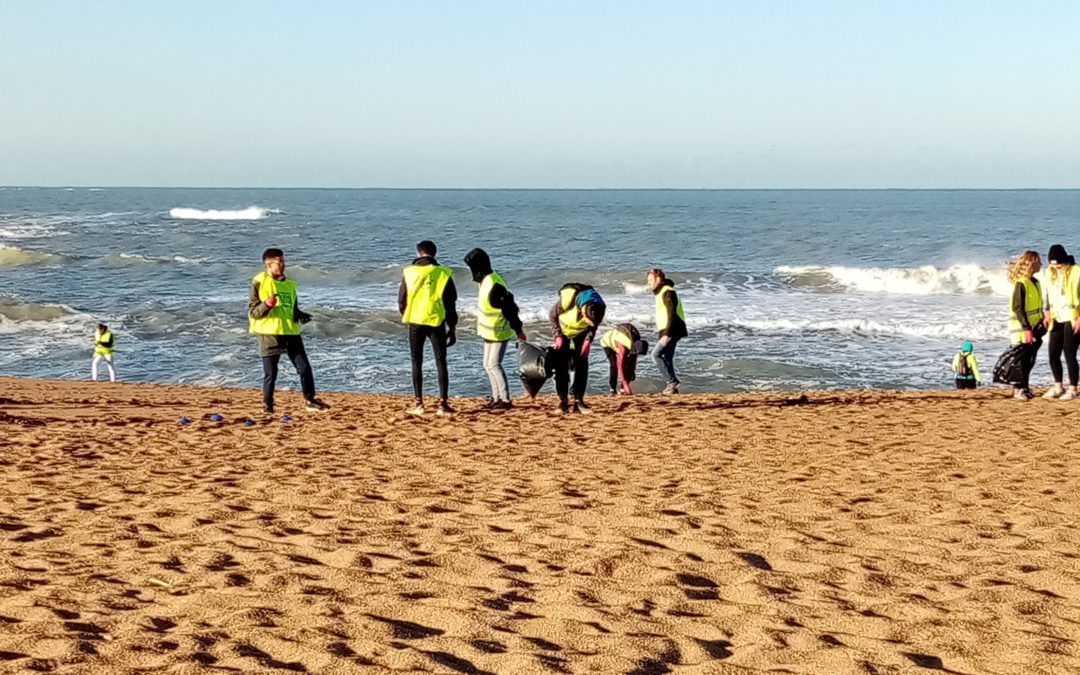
x=783 y=290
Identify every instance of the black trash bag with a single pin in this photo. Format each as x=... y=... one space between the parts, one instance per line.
x=1009 y=368
x=534 y=366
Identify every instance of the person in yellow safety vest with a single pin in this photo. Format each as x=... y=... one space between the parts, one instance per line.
x=1026 y=314
x=1061 y=303
x=497 y=321
x=574 y=319
x=670 y=323
x=622 y=346
x=966 y=367
x=103 y=351
x=427 y=300
x=274 y=316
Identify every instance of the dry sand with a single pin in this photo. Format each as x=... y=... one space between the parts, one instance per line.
x=844 y=533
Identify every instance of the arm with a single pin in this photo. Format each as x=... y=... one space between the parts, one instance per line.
x=974 y=363
x=257 y=309
x=620 y=363
x=503 y=300
x=301 y=317
x=553 y=319
x=402 y=297
x=449 y=298
x=956 y=363
x=1019 y=300
x=106 y=343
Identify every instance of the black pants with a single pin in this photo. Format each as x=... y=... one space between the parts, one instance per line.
x=965 y=383
x=570 y=357
x=295 y=352
x=1062 y=339
x=1029 y=362
x=613 y=367
x=437 y=336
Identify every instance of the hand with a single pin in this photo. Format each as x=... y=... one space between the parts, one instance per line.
x=585 y=346
x=1029 y=337
x=522 y=338
x=664 y=340
x=451 y=337
x=303 y=317
x=1076 y=326
x=271 y=302
x=1048 y=318
x=560 y=342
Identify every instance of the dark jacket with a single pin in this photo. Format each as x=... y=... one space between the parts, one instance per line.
x=500 y=297
x=556 y=310
x=449 y=296
x=676 y=327
x=274 y=345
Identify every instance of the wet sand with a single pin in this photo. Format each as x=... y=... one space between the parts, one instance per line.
x=857 y=532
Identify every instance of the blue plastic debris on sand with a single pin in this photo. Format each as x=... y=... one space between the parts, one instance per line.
x=184 y=420
x=249 y=423
x=216 y=417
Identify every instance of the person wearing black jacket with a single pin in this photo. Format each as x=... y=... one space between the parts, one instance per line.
x=574 y=320
x=670 y=323
x=427 y=300
x=497 y=321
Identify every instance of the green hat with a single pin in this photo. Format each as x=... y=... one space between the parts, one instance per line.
x=967 y=347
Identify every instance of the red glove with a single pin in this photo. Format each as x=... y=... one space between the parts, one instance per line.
x=560 y=342
x=1029 y=337
x=271 y=302
x=521 y=336
x=585 y=346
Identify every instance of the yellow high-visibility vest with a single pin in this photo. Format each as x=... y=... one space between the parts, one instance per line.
x=491 y=325
x=280 y=319
x=424 y=286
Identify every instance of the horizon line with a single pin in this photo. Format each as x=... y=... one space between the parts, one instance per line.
x=543 y=189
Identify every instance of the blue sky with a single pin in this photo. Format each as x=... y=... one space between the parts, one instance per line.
x=540 y=94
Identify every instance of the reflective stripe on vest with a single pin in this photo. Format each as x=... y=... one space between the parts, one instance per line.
x=100 y=348
x=491 y=325
x=424 y=286
x=280 y=320
x=1061 y=294
x=613 y=338
x=1032 y=309
x=571 y=318
x=661 y=309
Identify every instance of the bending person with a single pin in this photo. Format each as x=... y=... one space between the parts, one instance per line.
x=274 y=315
x=574 y=320
x=1026 y=314
x=622 y=346
x=427 y=300
x=497 y=321
x=103 y=351
x=1061 y=300
x=670 y=323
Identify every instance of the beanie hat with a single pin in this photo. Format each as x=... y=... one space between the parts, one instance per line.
x=1057 y=254
x=967 y=347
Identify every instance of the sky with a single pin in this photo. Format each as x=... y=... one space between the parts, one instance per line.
x=541 y=94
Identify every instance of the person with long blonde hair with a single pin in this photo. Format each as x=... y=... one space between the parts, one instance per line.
x=1026 y=314
x=1061 y=300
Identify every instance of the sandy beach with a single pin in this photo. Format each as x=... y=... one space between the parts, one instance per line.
x=856 y=532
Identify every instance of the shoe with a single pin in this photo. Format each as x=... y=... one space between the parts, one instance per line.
x=268 y=409
x=671 y=389
x=491 y=403
x=574 y=409
x=563 y=408
x=1053 y=392
x=1069 y=394
x=583 y=407
x=612 y=392
x=315 y=405
x=501 y=405
x=444 y=409
x=1024 y=394
x=417 y=410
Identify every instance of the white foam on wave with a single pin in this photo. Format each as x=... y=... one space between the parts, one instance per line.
x=926 y=280
x=250 y=213
x=29 y=231
x=959 y=330
x=11 y=256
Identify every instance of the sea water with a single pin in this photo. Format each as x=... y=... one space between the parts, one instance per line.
x=783 y=290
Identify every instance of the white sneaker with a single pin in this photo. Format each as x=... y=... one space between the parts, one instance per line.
x=1069 y=395
x=1054 y=391
x=415 y=410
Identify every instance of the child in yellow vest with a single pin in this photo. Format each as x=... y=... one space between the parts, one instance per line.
x=966 y=367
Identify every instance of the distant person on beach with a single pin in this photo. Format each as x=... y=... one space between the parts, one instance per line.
x=497 y=322
x=427 y=300
x=966 y=367
x=1026 y=314
x=274 y=315
x=622 y=346
x=103 y=351
x=670 y=324
x=1061 y=300
x=574 y=319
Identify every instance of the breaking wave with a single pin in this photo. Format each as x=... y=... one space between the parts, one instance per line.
x=250 y=213
x=11 y=256
x=927 y=280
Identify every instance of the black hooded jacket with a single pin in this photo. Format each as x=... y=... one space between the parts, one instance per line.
x=500 y=297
